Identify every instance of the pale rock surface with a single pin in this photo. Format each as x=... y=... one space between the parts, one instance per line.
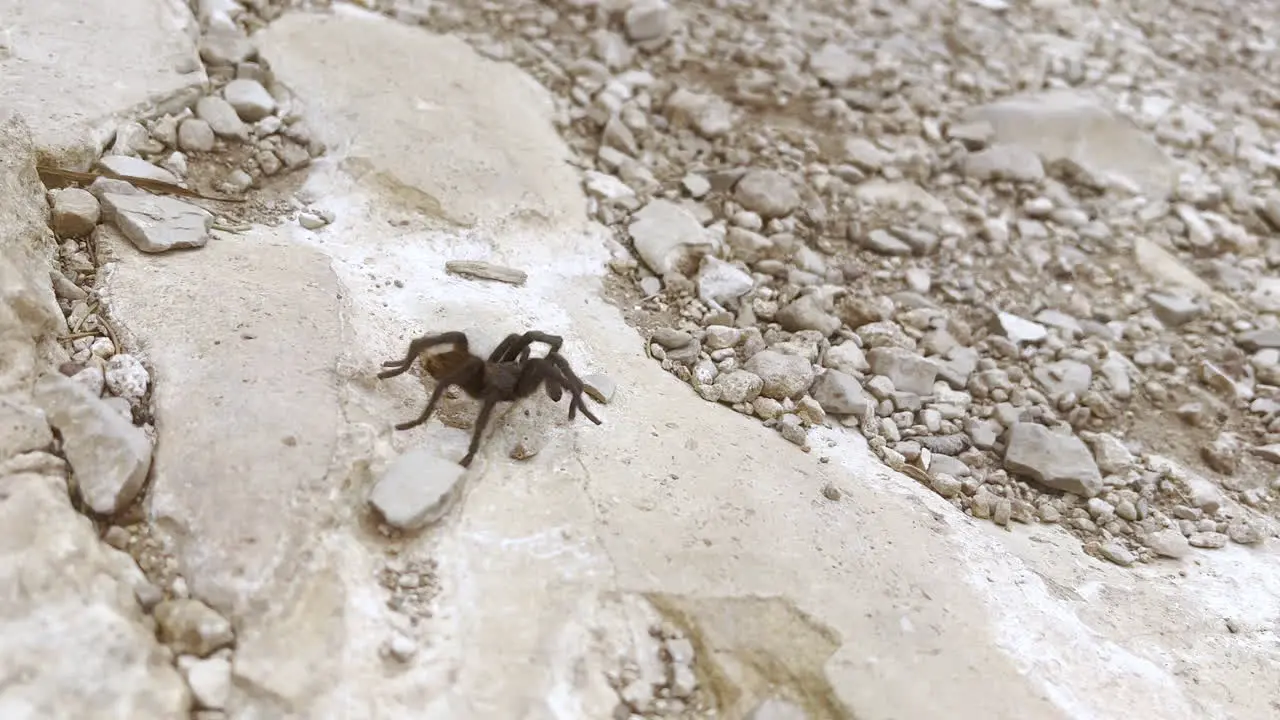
x=73 y=642
x=490 y=641
x=23 y=428
x=155 y=70
x=1068 y=124
x=279 y=424
x=582 y=550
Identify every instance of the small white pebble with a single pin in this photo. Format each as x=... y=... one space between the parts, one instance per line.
x=311 y=221
x=401 y=648
x=103 y=347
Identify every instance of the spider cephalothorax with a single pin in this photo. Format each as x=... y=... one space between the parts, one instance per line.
x=508 y=375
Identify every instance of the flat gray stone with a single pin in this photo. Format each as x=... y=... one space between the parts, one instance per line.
x=1072 y=125
x=1004 y=162
x=156 y=223
x=222 y=118
x=840 y=394
x=1172 y=309
x=1020 y=330
x=75 y=212
x=251 y=101
x=666 y=236
x=768 y=193
x=1168 y=543
x=417 y=490
x=132 y=167
x=908 y=371
x=1064 y=376
x=784 y=376
x=1053 y=459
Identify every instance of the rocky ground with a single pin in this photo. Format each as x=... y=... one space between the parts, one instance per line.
x=1024 y=254
x=1038 y=283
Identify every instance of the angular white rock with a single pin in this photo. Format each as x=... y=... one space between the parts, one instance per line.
x=251 y=101
x=417 y=490
x=666 y=235
x=126 y=377
x=109 y=455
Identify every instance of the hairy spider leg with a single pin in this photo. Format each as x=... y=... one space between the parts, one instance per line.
x=417 y=347
x=481 y=421
x=459 y=377
x=536 y=371
x=574 y=385
x=517 y=346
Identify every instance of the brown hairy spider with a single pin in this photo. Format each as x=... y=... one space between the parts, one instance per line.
x=508 y=375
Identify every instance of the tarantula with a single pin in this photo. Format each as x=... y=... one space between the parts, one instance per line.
x=508 y=375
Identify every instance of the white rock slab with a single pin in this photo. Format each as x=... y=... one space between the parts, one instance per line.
x=245 y=403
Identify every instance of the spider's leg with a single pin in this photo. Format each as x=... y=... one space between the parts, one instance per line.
x=499 y=353
x=416 y=348
x=554 y=341
x=482 y=420
x=537 y=371
x=519 y=347
x=575 y=387
x=457 y=378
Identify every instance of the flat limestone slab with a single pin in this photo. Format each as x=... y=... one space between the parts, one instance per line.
x=453 y=138
x=242 y=335
x=66 y=70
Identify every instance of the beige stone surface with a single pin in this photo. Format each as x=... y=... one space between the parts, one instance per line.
x=272 y=429
x=75 y=87
x=243 y=347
